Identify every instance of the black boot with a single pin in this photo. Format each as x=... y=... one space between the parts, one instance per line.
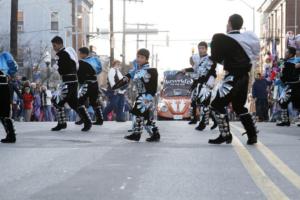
x=284 y=118
x=213 y=117
x=134 y=137
x=225 y=135
x=283 y=124
x=193 y=113
x=137 y=131
x=79 y=122
x=61 y=120
x=221 y=139
x=10 y=131
x=86 y=119
x=152 y=129
x=250 y=128
x=59 y=127
x=193 y=121
x=201 y=126
x=204 y=119
x=99 y=116
x=155 y=137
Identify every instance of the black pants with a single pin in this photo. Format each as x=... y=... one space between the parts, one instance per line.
x=262 y=107
x=291 y=93
x=234 y=90
x=5 y=103
x=142 y=110
x=89 y=91
x=144 y=116
x=67 y=93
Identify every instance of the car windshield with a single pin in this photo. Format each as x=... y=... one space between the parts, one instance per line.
x=171 y=92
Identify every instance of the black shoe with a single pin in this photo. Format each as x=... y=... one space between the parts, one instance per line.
x=154 y=138
x=99 y=116
x=298 y=125
x=134 y=137
x=80 y=122
x=283 y=124
x=59 y=127
x=221 y=139
x=252 y=140
x=193 y=122
x=9 y=139
x=87 y=127
x=214 y=126
x=130 y=130
x=85 y=118
x=99 y=123
x=10 y=131
x=201 y=126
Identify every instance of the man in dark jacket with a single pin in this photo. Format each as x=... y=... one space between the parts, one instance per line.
x=260 y=94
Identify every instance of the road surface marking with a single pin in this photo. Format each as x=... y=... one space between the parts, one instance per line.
x=261 y=179
x=277 y=163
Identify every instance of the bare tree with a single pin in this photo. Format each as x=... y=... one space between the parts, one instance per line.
x=33 y=57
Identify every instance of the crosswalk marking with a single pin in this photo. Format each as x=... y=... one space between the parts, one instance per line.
x=261 y=179
x=276 y=162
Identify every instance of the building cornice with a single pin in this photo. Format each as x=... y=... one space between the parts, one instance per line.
x=268 y=5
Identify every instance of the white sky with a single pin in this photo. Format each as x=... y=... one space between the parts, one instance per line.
x=188 y=21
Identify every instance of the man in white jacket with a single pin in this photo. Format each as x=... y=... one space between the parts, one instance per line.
x=46 y=96
x=116 y=98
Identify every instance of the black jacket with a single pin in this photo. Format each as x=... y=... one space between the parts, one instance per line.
x=227 y=51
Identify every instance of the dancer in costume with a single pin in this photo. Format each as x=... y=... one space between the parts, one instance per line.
x=290 y=77
x=145 y=80
x=8 y=67
x=68 y=91
x=89 y=68
x=205 y=74
x=236 y=51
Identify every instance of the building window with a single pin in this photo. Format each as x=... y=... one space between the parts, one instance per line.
x=20 y=21
x=54 y=21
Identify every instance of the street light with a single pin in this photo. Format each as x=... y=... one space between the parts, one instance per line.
x=253 y=11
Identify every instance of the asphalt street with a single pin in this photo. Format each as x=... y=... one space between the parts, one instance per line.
x=101 y=165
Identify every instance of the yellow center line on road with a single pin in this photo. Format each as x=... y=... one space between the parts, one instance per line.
x=261 y=179
x=277 y=163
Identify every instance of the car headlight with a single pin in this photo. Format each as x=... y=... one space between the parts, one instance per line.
x=163 y=107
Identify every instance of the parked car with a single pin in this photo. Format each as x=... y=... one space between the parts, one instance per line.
x=175 y=97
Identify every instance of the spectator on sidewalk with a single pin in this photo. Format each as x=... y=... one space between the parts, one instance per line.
x=36 y=102
x=116 y=98
x=27 y=105
x=46 y=104
x=260 y=94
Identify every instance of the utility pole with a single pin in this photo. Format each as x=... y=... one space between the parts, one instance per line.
x=124 y=31
x=142 y=31
x=14 y=29
x=111 y=38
